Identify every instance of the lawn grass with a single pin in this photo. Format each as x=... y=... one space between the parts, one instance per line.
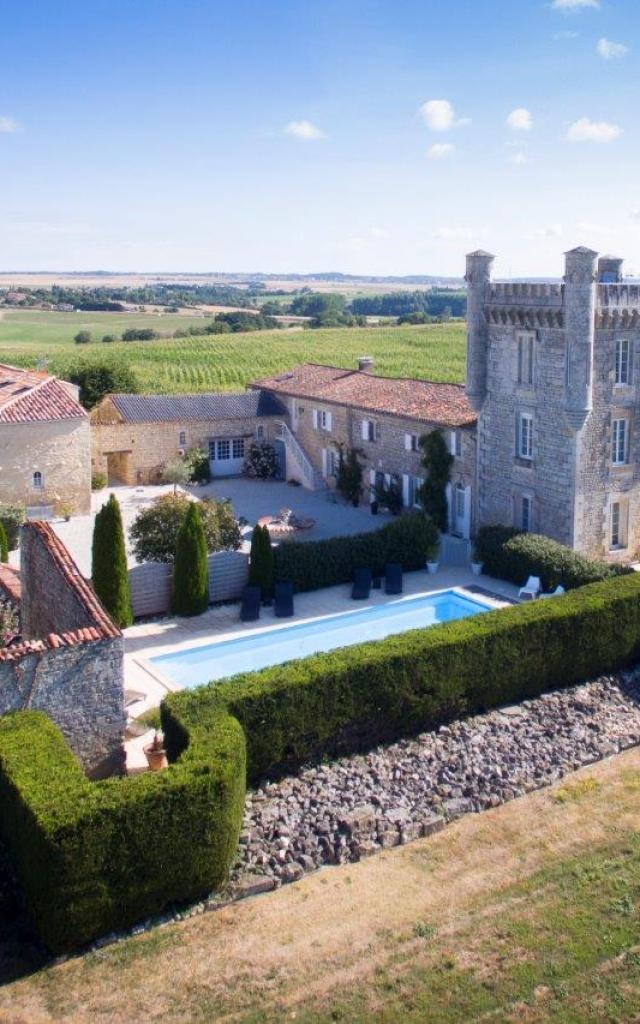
x=228 y=361
x=527 y=914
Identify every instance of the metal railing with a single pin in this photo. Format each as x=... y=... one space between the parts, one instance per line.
x=314 y=479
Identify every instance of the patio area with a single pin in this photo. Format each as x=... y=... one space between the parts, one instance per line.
x=251 y=499
x=148 y=640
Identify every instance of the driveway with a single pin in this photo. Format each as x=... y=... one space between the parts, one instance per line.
x=251 y=499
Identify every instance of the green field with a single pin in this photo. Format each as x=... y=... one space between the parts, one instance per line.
x=227 y=361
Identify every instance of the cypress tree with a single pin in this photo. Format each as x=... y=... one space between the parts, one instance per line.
x=261 y=562
x=4 y=544
x=190 y=567
x=109 y=573
x=255 y=570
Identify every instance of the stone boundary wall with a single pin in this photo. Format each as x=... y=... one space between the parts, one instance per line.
x=151 y=582
x=70 y=662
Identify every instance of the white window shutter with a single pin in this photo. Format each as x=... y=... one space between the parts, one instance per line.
x=372 y=477
x=329 y=420
x=466 y=529
x=452 y=442
x=315 y=419
x=324 y=462
x=387 y=479
x=365 y=430
x=449 y=490
x=407 y=442
x=405 y=490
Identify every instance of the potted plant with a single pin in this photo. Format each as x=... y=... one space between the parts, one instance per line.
x=155 y=753
x=476 y=566
x=65 y=511
x=432 y=567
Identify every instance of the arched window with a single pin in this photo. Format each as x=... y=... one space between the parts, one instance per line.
x=37 y=480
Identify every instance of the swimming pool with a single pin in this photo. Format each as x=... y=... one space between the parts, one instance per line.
x=248 y=653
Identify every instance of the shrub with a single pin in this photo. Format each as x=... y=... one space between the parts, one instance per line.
x=98 y=481
x=510 y=555
x=310 y=565
x=92 y=857
x=197 y=462
x=176 y=472
x=349 y=481
x=261 y=460
x=190 y=568
x=154 y=533
x=261 y=562
x=109 y=574
x=83 y=338
x=12 y=517
x=354 y=698
x=9 y=623
x=4 y=544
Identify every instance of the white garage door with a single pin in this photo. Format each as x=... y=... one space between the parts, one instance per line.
x=226 y=456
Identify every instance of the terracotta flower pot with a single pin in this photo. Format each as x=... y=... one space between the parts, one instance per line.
x=155 y=754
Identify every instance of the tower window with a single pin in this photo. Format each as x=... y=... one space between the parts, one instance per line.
x=618 y=525
x=622 y=361
x=525 y=357
x=525 y=436
x=620 y=442
x=527 y=509
x=37 y=480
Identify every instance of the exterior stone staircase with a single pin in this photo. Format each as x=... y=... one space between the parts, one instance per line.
x=311 y=478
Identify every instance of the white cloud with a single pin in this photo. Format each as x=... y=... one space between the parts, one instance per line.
x=520 y=120
x=449 y=234
x=378 y=232
x=585 y=130
x=439 y=116
x=439 y=150
x=635 y=214
x=8 y=126
x=307 y=131
x=518 y=158
x=610 y=51
x=551 y=231
x=361 y=243
x=574 y=5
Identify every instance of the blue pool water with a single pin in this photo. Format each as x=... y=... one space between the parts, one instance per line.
x=273 y=647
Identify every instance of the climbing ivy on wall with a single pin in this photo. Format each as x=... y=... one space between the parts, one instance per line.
x=437 y=461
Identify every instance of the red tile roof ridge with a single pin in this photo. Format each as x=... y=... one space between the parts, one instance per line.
x=376 y=376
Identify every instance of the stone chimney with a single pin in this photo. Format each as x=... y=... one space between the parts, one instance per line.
x=365 y=364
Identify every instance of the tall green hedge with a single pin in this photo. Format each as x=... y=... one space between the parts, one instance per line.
x=261 y=561
x=190 y=595
x=93 y=857
x=510 y=555
x=109 y=573
x=410 y=539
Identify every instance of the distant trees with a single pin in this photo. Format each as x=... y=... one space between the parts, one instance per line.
x=109 y=574
x=83 y=338
x=99 y=378
x=108 y=338
x=190 y=568
x=435 y=303
x=139 y=334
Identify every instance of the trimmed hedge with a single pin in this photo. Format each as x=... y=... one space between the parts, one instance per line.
x=508 y=554
x=310 y=565
x=92 y=857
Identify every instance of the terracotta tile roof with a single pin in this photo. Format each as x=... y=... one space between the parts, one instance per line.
x=31 y=395
x=10 y=583
x=99 y=625
x=424 y=400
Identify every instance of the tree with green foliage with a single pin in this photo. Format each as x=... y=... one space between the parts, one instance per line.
x=99 y=378
x=4 y=544
x=437 y=461
x=155 y=531
x=176 y=472
x=83 y=338
x=190 y=568
x=109 y=573
x=261 y=562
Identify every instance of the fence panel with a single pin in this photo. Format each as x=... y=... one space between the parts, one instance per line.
x=151 y=582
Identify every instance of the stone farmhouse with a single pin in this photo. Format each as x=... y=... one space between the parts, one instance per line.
x=553 y=372
x=135 y=436
x=44 y=441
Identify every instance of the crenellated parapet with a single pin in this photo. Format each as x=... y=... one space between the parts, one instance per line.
x=618 y=319
x=525 y=293
x=523 y=316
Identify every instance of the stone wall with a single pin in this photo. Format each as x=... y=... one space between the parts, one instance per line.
x=58 y=449
x=146 y=448
x=70 y=663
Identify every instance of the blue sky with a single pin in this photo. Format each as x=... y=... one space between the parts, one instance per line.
x=302 y=135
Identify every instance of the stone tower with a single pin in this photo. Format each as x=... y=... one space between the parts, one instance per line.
x=579 y=328
x=478 y=277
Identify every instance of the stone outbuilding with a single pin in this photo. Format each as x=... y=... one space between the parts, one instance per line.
x=135 y=436
x=44 y=442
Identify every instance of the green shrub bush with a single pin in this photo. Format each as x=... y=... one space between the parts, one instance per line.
x=92 y=857
x=12 y=517
x=353 y=698
x=510 y=555
x=409 y=539
x=98 y=481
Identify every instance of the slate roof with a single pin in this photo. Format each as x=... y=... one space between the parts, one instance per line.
x=28 y=396
x=423 y=400
x=182 y=408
